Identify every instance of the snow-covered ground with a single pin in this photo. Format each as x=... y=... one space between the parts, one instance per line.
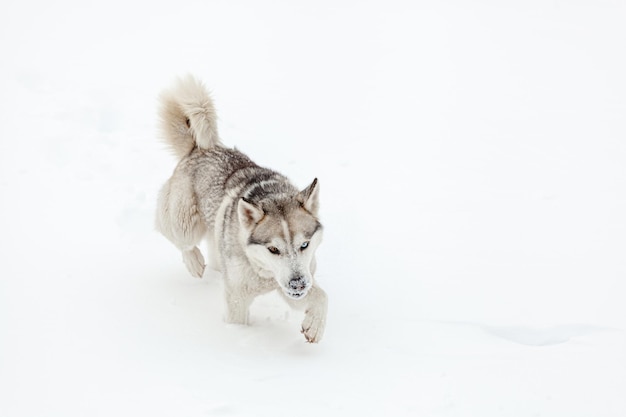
x=471 y=157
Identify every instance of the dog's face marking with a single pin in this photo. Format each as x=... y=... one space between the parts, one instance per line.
x=282 y=245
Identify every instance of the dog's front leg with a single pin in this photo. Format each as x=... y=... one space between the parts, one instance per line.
x=315 y=315
x=237 y=304
x=242 y=285
x=315 y=305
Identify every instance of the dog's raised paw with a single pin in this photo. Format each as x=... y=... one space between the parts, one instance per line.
x=313 y=329
x=194 y=261
x=310 y=335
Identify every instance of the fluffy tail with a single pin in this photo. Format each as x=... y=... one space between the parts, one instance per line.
x=188 y=117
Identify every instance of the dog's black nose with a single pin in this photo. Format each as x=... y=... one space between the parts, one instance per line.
x=297 y=284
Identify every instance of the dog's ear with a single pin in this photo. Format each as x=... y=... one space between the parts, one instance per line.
x=249 y=214
x=309 y=197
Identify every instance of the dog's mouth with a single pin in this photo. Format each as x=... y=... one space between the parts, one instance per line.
x=295 y=295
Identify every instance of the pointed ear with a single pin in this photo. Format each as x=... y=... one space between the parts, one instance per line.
x=309 y=197
x=249 y=214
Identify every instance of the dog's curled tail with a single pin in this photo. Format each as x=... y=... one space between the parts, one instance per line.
x=188 y=117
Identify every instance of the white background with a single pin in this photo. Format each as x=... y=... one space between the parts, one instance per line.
x=471 y=157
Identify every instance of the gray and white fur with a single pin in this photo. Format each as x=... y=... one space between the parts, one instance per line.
x=262 y=232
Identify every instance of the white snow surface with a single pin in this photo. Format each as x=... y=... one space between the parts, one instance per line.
x=472 y=164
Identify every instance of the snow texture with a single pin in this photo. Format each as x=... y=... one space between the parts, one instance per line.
x=472 y=165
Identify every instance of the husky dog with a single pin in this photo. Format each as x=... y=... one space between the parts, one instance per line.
x=262 y=232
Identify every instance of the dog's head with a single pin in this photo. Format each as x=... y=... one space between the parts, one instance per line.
x=281 y=237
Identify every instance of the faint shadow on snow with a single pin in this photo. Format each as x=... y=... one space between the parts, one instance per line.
x=548 y=336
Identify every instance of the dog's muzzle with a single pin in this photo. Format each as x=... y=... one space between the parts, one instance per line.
x=297 y=288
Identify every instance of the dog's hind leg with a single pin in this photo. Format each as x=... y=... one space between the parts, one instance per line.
x=194 y=261
x=179 y=220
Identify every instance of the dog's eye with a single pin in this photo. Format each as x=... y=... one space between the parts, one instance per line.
x=304 y=245
x=274 y=250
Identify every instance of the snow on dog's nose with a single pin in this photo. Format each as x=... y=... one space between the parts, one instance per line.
x=297 y=287
x=297 y=284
